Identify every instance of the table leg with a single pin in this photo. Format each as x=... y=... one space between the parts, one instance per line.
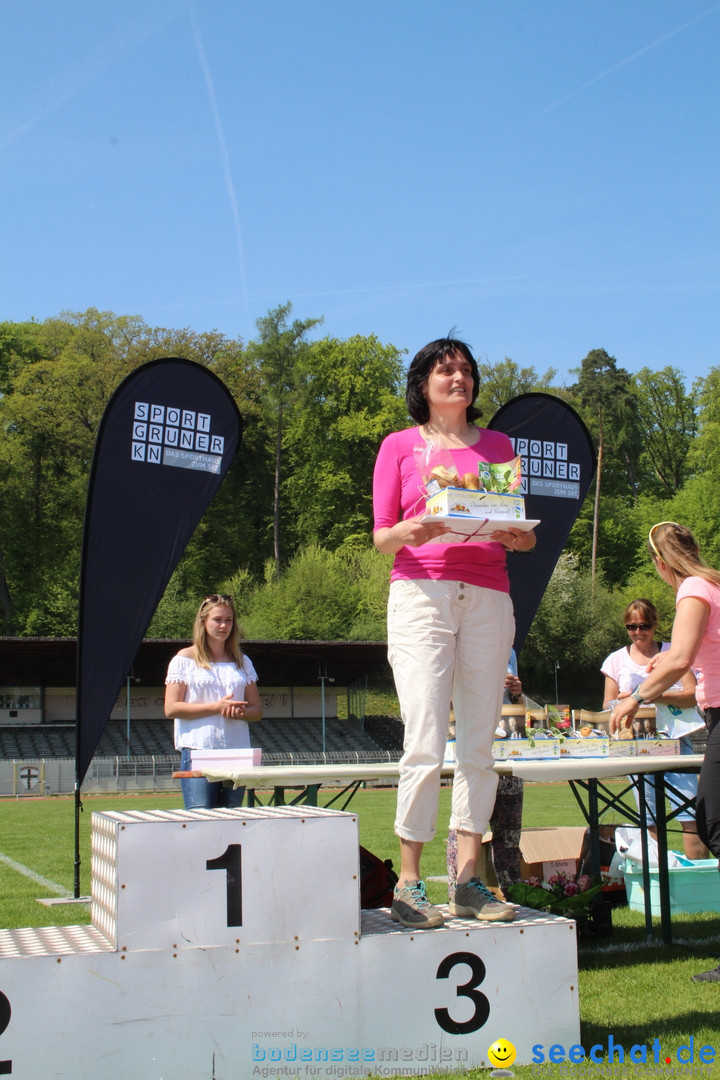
x=642 y=800
x=594 y=825
x=663 y=874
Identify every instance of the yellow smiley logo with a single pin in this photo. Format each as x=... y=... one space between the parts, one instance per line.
x=502 y=1053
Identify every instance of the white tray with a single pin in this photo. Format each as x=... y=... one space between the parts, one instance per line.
x=469 y=529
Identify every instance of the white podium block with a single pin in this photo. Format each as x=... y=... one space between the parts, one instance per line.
x=161 y=986
x=185 y=879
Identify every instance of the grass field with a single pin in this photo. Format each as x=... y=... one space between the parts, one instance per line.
x=630 y=989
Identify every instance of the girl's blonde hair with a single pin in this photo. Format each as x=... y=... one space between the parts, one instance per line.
x=675 y=545
x=203 y=657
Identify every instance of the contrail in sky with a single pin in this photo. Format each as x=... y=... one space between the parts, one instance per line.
x=227 y=172
x=625 y=62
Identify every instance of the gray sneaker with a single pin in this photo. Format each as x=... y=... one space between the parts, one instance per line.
x=475 y=899
x=411 y=907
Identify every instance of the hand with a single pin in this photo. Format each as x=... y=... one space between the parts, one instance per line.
x=515 y=539
x=414 y=532
x=513 y=685
x=623 y=713
x=230 y=708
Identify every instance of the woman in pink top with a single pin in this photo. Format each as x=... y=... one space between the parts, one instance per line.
x=695 y=643
x=450 y=630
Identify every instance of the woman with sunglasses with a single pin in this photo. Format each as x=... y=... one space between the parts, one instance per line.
x=211 y=694
x=676 y=715
x=695 y=643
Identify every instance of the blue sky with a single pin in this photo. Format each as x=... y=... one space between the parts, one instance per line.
x=542 y=175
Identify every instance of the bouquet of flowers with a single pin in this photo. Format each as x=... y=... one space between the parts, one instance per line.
x=561 y=894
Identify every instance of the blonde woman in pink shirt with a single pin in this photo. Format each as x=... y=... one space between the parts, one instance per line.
x=450 y=631
x=695 y=644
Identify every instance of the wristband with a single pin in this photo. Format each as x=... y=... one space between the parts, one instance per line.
x=637 y=695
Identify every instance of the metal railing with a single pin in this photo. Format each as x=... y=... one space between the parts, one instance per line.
x=28 y=777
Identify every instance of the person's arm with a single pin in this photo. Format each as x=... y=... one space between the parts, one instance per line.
x=515 y=539
x=409 y=533
x=681 y=699
x=177 y=708
x=612 y=691
x=253 y=708
x=392 y=532
x=670 y=667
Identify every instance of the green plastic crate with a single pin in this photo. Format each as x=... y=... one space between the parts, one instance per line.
x=692 y=888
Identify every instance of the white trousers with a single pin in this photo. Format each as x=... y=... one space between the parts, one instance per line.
x=447 y=642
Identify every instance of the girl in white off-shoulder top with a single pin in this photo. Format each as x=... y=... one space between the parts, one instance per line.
x=211 y=694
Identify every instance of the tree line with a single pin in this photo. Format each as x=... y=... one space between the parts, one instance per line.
x=289 y=532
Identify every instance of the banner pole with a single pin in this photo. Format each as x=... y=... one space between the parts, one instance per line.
x=78 y=811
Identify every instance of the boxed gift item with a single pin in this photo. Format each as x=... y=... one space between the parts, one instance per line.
x=656 y=747
x=537 y=749
x=588 y=747
x=478 y=504
x=478 y=514
x=232 y=760
x=473 y=507
x=623 y=748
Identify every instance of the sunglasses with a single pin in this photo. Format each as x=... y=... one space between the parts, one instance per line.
x=218 y=598
x=638 y=626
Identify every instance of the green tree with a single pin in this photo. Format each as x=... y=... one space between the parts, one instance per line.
x=313 y=599
x=351 y=394
x=277 y=355
x=667 y=425
x=575 y=626
x=501 y=382
x=605 y=392
x=58 y=378
x=705 y=452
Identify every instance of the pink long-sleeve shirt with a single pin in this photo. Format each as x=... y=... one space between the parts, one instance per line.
x=398 y=494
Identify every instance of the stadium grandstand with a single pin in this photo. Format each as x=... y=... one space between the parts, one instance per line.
x=301 y=686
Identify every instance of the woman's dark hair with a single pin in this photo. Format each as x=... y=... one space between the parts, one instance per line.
x=419 y=372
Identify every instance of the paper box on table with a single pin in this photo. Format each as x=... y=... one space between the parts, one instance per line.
x=590 y=747
x=549 y=851
x=226 y=759
x=462 y=502
x=656 y=747
x=622 y=748
x=517 y=749
x=692 y=888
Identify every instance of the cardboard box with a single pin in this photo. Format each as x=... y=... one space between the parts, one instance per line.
x=549 y=851
x=692 y=889
x=590 y=747
x=656 y=747
x=228 y=759
x=534 y=749
x=622 y=748
x=460 y=502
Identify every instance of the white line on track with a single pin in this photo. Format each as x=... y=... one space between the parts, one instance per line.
x=46 y=883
